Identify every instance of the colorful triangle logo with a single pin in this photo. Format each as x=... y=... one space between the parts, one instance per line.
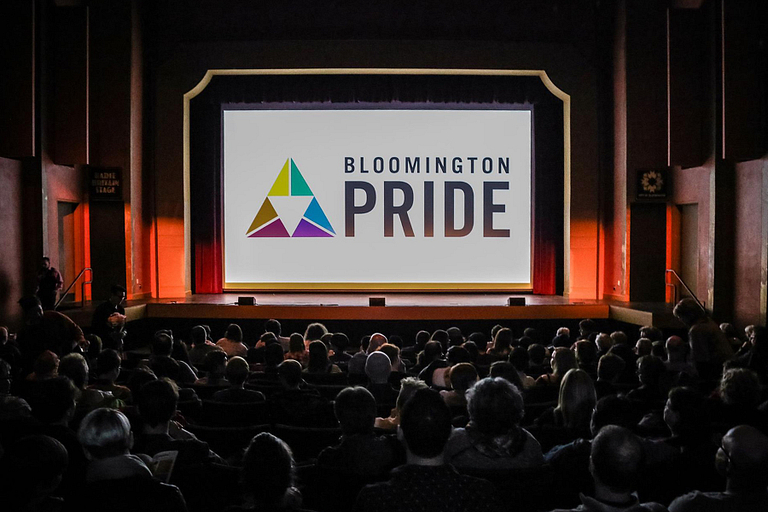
x=290 y=193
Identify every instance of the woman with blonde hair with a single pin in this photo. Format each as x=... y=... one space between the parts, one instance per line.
x=575 y=404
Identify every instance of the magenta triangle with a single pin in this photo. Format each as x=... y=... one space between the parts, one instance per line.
x=305 y=229
x=275 y=229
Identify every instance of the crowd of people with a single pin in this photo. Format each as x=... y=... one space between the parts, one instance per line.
x=446 y=421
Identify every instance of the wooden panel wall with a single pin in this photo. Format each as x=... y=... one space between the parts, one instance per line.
x=17 y=85
x=70 y=76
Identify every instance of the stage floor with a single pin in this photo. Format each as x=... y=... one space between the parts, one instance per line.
x=399 y=306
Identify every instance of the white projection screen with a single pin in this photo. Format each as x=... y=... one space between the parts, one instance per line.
x=351 y=199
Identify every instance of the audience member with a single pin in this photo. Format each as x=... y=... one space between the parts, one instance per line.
x=563 y=360
x=237 y=373
x=743 y=460
x=537 y=366
x=408 y=386
x=575 y=404
x=30 y=471
x=116 y=480
x=314 y=332
x=586 y=357
x=616 y=463
x=275 y=328
x=430 y=360
x=163 y=364
x=378 y=367
x=75 y=367
x=339 y=343
x=201 y=346
x=609 y=369
x=519 y=358
x=603 y=343
x=107 y=371
x=426 y=483
x=318 y=359
x=360 y=452
x=461 y=377
x=268 y=476
x=709 y=346
x=643 y=347
x=297 y=349
x=502 y=344
x=232 y=342
x=494 y=439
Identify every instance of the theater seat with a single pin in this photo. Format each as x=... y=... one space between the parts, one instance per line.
x=223 y=414
x=228 y=442
x=307 y=442
x=520 y=489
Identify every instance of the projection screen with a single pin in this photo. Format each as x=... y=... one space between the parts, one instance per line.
x=377 y=199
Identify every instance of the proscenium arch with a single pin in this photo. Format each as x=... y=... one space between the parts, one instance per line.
x=546 y=81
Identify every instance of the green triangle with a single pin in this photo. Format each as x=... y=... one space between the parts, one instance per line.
x=280 y=187
x=299 y=187
x=266 y=213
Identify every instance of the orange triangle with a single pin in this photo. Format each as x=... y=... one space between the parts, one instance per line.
x=266 y=213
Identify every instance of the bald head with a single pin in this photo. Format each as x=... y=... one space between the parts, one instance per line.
x=377 y=340
x=676 y=348
x=744 y=458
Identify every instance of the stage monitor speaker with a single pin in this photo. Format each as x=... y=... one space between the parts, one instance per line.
x=246 y=301
x=377 y=301
x=516 y=301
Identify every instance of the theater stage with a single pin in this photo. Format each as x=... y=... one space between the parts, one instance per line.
x=399 y=306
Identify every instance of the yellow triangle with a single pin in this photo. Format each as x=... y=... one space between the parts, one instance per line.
x=280 y=187
x=266 y=213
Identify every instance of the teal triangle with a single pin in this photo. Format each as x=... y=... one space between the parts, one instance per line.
x=299 y=187
x=317 y=215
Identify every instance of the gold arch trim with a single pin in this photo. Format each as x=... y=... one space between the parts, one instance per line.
x=551 y=87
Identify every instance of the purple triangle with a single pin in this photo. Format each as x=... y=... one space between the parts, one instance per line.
x=276 y=229
x=305 y=229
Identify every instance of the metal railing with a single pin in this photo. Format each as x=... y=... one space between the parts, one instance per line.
x=687 y=289
x=87 y=281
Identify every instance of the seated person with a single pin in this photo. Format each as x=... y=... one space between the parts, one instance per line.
x=461 y=377
x=157 y=406
x=682 y=462
x=575 y=403
x=616 y=462
x=570 y=461
x=537 y=364
x=116 y=480
x=736 y=401
x=743 y=460
x=31 y=471
x=107 y=371
x=506 y=371
x=378 y=368
x=237 y=373
x=268 y=476
x=493 y=438
x=677 y=361
x=201 y=346
x=586 y=357
x=519 y=359
x=609 y=369
x=295 y=403
x=339 y=343
x=297 y=349
x=651 y=374
x=75 y=367
x=429 y=360
x=426 y=482
x=232 y=342
x=216 y=362
x=46 y=366
x=563 y=359
x=408 y=386
x=54 y=405
x=162 y=348
x=318 y=359
x=360 y=452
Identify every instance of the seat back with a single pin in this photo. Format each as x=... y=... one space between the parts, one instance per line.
x=223 y=414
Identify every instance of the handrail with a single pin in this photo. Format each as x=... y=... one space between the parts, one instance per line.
x=687 y=288
x=64 y=294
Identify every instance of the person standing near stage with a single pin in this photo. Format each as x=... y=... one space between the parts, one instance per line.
x=49 y=282
x=108 y=319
